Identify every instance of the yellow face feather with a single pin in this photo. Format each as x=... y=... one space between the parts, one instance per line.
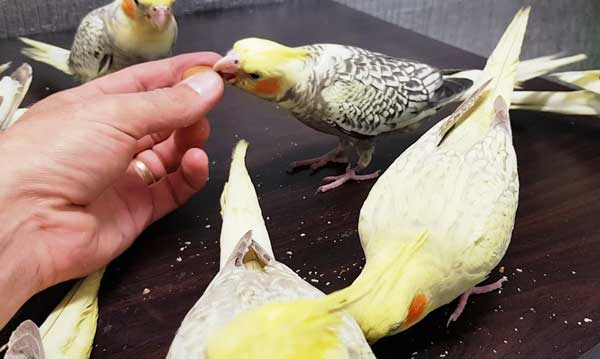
x=293 y=330
x=268 y=69
x=154 y=15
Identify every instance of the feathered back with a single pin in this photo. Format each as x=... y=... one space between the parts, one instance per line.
x=240 y=208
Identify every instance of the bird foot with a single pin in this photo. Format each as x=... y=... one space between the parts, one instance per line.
x=475 y=290
x=318 y=162
x=337 y=181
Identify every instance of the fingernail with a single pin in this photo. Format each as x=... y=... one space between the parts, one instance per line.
x=194 y=70
x=202 y=80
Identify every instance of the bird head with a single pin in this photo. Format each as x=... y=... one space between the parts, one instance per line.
x=291 y=330
x=262 y=67
x=156 y=13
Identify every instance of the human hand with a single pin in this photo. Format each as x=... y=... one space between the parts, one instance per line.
x=70 y=197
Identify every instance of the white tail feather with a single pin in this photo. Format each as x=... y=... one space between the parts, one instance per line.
x=54 y=56
x=544 y=65
x=240 y=208
x=4 y=67
x=526 y=70
x=564 y=102
x=589 y=80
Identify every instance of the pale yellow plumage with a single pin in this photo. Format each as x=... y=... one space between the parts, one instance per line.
x=527 y=69
x=448 y=204
x=580 y=102
x=585 y=101
x=240 y=209
x=295 y=330
x=588 y=80
x=68 y=332
x=256 y=307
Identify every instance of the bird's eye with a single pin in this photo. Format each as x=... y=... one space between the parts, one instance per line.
x=255 y=76
x=137 y=2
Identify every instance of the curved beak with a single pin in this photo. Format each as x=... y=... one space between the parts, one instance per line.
x=160 y=16
x=228 y=67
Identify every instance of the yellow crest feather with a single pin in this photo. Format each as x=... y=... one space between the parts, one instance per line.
x=256 y=53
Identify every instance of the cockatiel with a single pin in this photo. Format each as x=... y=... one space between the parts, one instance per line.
x=352 y=93
x=344 y=91
x=448 y=204
x=13 y=89
x=249 y=278
x=112 y=37
x=67 y=333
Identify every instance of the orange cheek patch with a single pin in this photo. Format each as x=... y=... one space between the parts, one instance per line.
x=267 y=86
x=416 y=310
x=128 y=7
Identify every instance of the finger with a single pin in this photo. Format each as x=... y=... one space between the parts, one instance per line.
x=166 y=156
x=179 y=186
x=144 y=113
x=147 y=76
x=143 y=77
x=149 y=141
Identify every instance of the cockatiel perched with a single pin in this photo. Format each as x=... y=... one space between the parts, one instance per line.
x=448 y=204
x=223 y=323
x=115 y=36
x=13 y=89
x=344 y=91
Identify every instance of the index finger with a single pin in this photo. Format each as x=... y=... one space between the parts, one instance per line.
x=145 y=77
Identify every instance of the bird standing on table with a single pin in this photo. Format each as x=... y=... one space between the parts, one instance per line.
x=243 y=314
x=344 y=91
x=112 y=37
x=447 y=206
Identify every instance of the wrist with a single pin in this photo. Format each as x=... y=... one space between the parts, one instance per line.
x=20 y=270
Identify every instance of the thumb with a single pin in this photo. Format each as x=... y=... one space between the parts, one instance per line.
x=144 y=113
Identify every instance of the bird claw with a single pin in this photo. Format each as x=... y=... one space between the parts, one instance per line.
x=337 y=181
x=475 y=290
x=317 y=162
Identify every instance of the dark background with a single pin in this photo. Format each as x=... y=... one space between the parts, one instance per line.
x=556 y=25
x=552 y=262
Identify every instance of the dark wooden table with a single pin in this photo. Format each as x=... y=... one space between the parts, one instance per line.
x=551 y=263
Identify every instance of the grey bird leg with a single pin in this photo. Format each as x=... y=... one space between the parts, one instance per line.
x=337 y=155
x=475 y=290
x=365 y=152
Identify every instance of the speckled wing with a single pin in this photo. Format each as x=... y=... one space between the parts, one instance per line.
x=240 y=287
x=92 y=54
x=373 y=93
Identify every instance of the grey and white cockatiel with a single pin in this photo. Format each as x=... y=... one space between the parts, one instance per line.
x=344 y=91
x=112 y=37
x=249 y=278
x=351 y=93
